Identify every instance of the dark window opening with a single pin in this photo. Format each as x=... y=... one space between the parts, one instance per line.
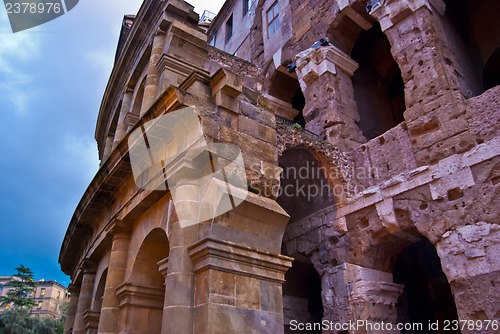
x=287 y=89
x=491 y=74
x=474 y=36
x=273 y=20
x=246 y=6
x=302 y=296
x=298 y=103
x=229 y=28
x=378 y=84
x=427 y=295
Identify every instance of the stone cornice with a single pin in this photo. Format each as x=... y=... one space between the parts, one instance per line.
x=229 y=257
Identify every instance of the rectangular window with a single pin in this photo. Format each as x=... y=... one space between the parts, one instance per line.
x=40 y=305
x=229 y=28
x=213 y=40
x=273 y=20
x=246 y=6
x=42 y=292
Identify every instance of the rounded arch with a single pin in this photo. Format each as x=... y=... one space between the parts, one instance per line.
x=153 y=249
x=304 y=191
x=377 y=83
x=329 y=158
x=474 y=36
x=99 y=291
x=138 y=96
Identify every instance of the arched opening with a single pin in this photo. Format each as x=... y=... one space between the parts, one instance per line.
x=99 y=292
x=286 y=88
x=304 y=191
x=139 y=96
x=427 y=295
x=378 y=85
x=474 y=35
x=304 y=185
x=491 y=73
x=146 y=291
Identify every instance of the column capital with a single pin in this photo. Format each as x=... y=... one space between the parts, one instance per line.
x=73 y=288
x=119 y=229
x=390 y=12
x=312 y=63
x=89 y=266
x=163 y=266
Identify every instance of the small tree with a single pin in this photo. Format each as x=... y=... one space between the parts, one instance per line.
x=22 y=289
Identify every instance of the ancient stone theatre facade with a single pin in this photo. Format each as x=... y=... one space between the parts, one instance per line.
x=370 y=139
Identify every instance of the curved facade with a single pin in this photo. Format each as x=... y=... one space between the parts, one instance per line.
x=370 y=145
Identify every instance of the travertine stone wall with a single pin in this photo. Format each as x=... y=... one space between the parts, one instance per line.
x=433 y=177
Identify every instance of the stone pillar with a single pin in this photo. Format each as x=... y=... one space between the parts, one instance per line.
x=91 y=319
x=140 y=308
x=352 y=293
x=74 y=292
x=433 y=77
x=238 y=289
x=330 y=111
x=469 y=258
x=179 y=281
x=85 y=297
x=121 y=127
x=108 y=322
x=152 y=79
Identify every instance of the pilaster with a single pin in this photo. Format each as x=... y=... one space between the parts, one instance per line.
x=330 y=111
x=85 y=296
x=238 y=283
x=74 y=292
x=120 y=232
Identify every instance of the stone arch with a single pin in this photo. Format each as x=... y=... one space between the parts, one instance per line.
x=427 y=295
x=138 y=97
x=377 y=83
x=329 y=158
x=403 y=252
x=99 y=291
x=474 y=35
x=142 y=296
x=302 y=297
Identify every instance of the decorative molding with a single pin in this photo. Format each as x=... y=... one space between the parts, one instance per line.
x=142 y=296
x=229 y=257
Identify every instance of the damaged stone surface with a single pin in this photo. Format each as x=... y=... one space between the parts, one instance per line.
x=390 y=156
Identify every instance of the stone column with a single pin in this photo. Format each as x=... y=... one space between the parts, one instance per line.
x=238 y=289
x=179 y=281
x=74 y=292
x=352 y=293
x=108 y=322
x=433 y=75
x=91 y=319
x=121 y=127
x=152 y=79
x=470 y=261
x=330 y=111
x=85 y=297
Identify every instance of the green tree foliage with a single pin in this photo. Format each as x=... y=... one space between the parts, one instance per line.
x=22 y=289
x=19 y=321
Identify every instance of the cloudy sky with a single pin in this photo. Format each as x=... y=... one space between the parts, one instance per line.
x=52 y=79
